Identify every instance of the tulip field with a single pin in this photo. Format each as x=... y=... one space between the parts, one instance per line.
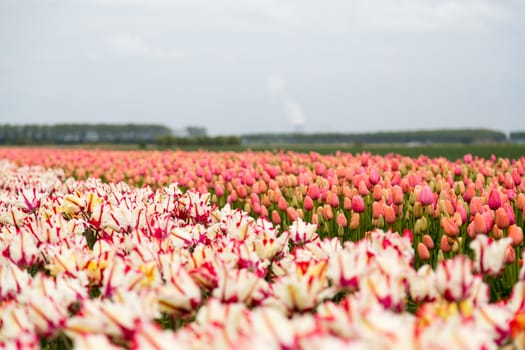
x=104 y=249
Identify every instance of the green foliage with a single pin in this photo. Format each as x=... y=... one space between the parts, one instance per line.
x=197 y=141
x=464 y=136
x=80 y=133
x=517 y=136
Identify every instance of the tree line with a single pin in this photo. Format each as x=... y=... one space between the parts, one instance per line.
x=464 y=136
x=163 y=136
x=80 y=133
x=170 y=141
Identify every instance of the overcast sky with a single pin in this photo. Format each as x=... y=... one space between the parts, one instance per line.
x=244 y=66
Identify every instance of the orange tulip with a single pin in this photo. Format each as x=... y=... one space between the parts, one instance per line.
x=445 y=245
x=450 y=226
x=422 y=251
x=428 y=242
x=502 y=219
x=516 y=233
x=354 y=221
x=341 y=220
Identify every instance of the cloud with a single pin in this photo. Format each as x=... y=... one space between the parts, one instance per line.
x=275 y=85
x=291 y=108
x=293 y=112
x=132 y=46
x=325 y=16
x=428 y=16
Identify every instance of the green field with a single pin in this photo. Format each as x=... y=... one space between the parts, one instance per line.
x=450 y=151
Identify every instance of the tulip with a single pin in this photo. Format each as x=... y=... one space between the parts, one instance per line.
x=302 y=232
x=422 y=286
x=397 y=195
x=354 y=221
x=516 y=234
x=347 y=203
x=426 y=196
x=276 y=218
x=377 y=193
x=494 y=200
x=315 y=219
x=450 y=227
x=341 y=220
x=516 y=177
x=454 y=278
x=428 y=242
x=479 y=225
x=510 y=213
x=489 y=254
x=510 y=255
x=291 y=213
x=363 y=189
x=377 y=210
x=502 y=219
x=313 y=191
x=470 y=193
x=418 y=210
x=390 y=214
x=497 y=232
x=358 y=204
x=445 y=245
x=308 y=203
x=334 y=200
x=476 y=205
x=282 y=205
x=460 y=209
x=374 y=176
x=422 y=251
x=328 y=213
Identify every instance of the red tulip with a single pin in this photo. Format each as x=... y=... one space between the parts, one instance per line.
x=494 y=199
x=308 y=203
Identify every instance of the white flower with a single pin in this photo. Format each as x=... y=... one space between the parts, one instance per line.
x=489 y=255
x=454 y=279
x=180 y=294
x=423 y=284
x=240 y=285
x=302 y=232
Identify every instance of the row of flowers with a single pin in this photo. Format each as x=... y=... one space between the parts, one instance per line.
x=87 y=264
x=445 y=204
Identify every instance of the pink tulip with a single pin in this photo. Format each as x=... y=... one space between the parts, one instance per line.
x=426 y=196
x=308 y=203
x=341 y=220
x=313 y=191
x=494 y=200
x=282 y=205
x=374 y=176
x=358 y=204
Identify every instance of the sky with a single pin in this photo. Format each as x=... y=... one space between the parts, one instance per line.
x=248 y=66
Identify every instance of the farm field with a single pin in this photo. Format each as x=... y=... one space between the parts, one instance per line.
x=449 y=151
x=292 y=249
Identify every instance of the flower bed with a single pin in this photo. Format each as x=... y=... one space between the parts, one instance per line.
x=87 y=263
